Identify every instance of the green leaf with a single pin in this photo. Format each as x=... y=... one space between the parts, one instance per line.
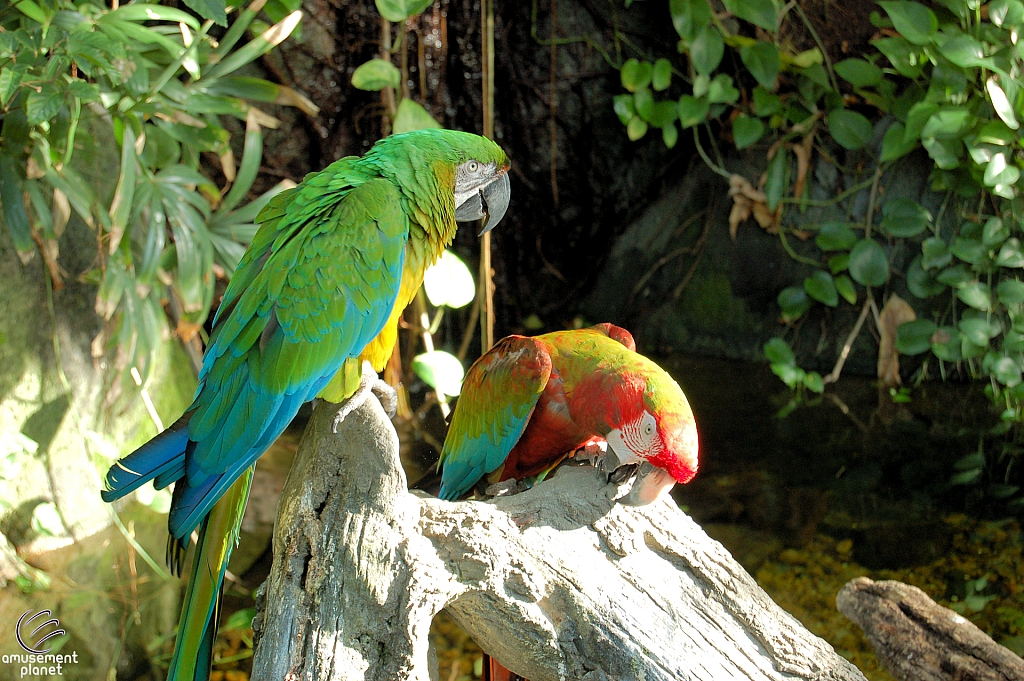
x=400 y=10
x=849 y=128
x=746 y=130
x=868 y=264
x=661 y=76
x=762 y=60
x=636 y=129
x=643 y=102
x=894 y=145
x=670 y=135
x=1006 y=372
x=692 y=110
x=766 y=103
x=977 y=331
x=845 y=288
x=949 y=122
x=917 y=118
x=376 y=74
x=240 y=619
x=859 y=72
x=996 y=132
x=689 y=17
x=257 y=47
x=778 y=352
x=904 y=57
x=835 y=236
x=624 y=108
x=822 y=288
x=912 y=20
x=977 y=295
x=946 y=343
x=839 y=263
x=706 y=50
x=448 y=282
x=121 y=204
x=794 y=302
x=210 y=9
x=15 y=214
x=43 y=104
x=411 y=116
x=1006 y=13
x=1010 y=254
x=441 y=370
x=914 y=338
x=761 y=13
x=721 y=90
x=1001 y=103
x=46 y=520
x=972 y=251
x=775 y=182
x=994 y=232
x=814 y=382
x=946 y=154
x=1010 y=292
x=956 y=276
x=904 y=218
x=1000 y=171
x=921 y=282
x=138 y=12
x=964 y=51
x=635 y=74
x=934 y=253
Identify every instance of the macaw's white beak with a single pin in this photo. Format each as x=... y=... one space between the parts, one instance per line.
x=651 y=484
x=490 y=203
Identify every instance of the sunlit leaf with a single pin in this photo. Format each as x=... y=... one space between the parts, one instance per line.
x=448 y=282
x=412 y=116
x=635 y=74
x=441 y=370
x=376 y=74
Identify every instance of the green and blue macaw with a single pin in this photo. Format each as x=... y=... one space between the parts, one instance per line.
x=318 y=293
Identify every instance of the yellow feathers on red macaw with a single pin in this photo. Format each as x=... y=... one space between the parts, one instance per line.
x=529 y=401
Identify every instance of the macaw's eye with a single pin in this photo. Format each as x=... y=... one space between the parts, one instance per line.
x=649 y=429
x=472 y=166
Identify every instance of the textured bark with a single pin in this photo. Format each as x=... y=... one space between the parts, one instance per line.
x=558 y=582
x=916 y=638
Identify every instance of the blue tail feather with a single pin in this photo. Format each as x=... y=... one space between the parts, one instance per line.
x=157 y=458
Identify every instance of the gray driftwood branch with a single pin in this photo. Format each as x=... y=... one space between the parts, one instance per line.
x=916 y=639
x=559 y=582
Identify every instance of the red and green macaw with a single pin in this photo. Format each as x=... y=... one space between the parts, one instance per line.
x=319 y=291
x=530 y=401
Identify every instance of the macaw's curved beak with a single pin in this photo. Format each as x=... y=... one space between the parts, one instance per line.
x=490 y=203
x=651 y=484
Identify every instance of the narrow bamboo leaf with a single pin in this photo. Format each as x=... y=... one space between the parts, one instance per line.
x=121 y=204
x=15 y=214
x=252 y=155
x=775 y=183
x=256 y=47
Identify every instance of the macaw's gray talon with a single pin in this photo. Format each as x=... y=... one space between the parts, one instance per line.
x=506 y=488
x=387 y=395
x=622 y=473
x=367 y=384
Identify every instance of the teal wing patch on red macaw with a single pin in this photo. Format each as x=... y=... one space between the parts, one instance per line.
x=318 y=285
x=498 y=397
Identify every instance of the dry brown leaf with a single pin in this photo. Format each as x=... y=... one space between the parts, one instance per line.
x=895 y=312
x=748 y=201
x=802 y=152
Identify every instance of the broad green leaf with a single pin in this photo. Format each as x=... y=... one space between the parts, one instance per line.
x=441 y=370
x=448 y=282
x=794 y=302
x=1006 y=12
x=964 y=51
x=912 y=20
x=400 y=10
x=904 y=57
x=761 y=13
x=778 y=352
x=689 y=17
x=766 y=102
x=1001 y=103
x=706 y=50
x=845 y=288
x=904 y=218
x=914 y=338
x=894 y=145
x=918 y=116
x=663 y=114
x=969 y=250
x=1010 y=292
x=1000 y=171
x=849 y=128
x=996 y=132
x=859 y=72
x=643 y=102
x=210 y=9
x=921 y=282
x=636 y=129
x=721 y=90
x=1010 y=254
x=956 y=276
x=692 y=110
x=994 y=232
x=977 y=295
x=636 y=74
x=411 y=116
x=835 y=236
x=15 y=214
x=839 y=263
x=948 y=123
x=868 y=264
x=775 y=183
x=1006 y=371
x=762 y=60
x=43 y=104
x=746 y=130
x=10 y=78
x=376 y=74
x=822 y=288
x=624 y=108
x=945 y=153
x=670 y=135
x=814 y=382
x=946 y=344
x=934 y=253
x=661 y=76
x=977 y=331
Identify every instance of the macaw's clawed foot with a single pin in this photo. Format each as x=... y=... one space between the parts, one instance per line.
x=592 y=452
x=506 y=488
x=369 y=382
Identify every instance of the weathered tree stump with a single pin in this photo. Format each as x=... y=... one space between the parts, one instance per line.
x=917 y=639
x=558 y=582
